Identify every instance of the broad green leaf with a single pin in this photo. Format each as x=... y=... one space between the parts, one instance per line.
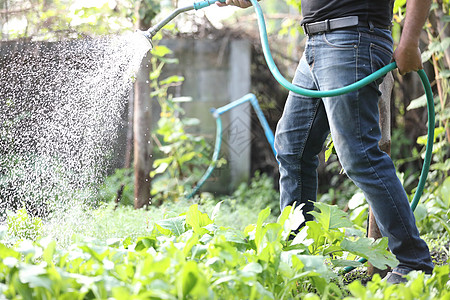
x=420 y=212
x=357 y=290
x=48 y=253
x=197 y=220
x=232 y=235
x=262 y=216
x=192 y=282
x=35 y=276
x=374 y=251
x=189 y=244
x=418 y=102
x=144 y=243
x=444 y=191
x=161 y=51
x=445 y=224
x=8 y=252
x=160 y=169
x=314 y=263
x=253 y=268
x=331 y=217
x=422 y=140
x=444 y=74
x=175 y=225
x=272 y=232
x=345 y=263
x=284 y=215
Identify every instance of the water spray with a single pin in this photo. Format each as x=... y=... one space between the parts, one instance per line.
x=150 y=33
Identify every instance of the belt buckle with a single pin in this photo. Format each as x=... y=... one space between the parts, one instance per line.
x=327 y=25
x=305 y=29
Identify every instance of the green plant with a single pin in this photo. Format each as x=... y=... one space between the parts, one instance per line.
x=260 y=192
x=118 y=187
x=23 y=226
x=183 y=156
x=190 y=256
x=419 y=286
x=56 y=19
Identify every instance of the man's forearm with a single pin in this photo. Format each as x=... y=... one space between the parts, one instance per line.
x=407 y=54
x=416 y=14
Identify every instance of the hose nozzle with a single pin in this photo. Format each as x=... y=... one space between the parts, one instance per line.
x=148 y=37
x=150 y=33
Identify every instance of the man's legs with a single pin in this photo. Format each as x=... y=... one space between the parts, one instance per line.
x=299 y=138
x=341 y=58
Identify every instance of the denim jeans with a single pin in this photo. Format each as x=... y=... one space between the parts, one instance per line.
x=333 y=60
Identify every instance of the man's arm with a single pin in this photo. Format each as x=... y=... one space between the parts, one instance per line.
x=407 y=55
x=239 y=3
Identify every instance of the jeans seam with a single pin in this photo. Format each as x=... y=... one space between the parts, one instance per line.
x=372 y=168
x=302 y=149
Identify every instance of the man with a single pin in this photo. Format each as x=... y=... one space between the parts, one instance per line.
x=348 y=40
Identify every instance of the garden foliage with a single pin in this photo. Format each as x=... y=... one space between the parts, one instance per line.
x=191 y=257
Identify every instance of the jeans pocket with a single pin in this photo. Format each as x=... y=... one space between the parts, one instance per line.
x=342 y=39
x=379 y=57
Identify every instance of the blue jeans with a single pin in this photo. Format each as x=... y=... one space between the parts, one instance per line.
x=333 y=60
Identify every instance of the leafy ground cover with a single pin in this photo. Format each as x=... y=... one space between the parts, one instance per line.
x=191 y=256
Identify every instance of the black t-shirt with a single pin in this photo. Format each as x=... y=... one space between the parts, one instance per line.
x=377 y=11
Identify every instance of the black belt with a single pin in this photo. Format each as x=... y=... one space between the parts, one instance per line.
x=338 y=23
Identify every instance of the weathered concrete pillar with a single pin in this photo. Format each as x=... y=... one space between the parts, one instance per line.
x=240 y=118
x=142 y=137
x=141 y=129
x=384 y=106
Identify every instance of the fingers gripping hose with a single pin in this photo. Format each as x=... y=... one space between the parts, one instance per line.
x=309 y=93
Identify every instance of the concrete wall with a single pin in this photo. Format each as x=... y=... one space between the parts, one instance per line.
x=216 y=72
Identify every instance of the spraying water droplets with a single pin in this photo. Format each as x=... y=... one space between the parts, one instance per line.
x=61 y=106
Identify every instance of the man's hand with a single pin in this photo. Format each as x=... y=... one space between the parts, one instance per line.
x=238 y=3
x=408 y=58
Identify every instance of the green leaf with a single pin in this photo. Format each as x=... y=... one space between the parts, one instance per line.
x=197 y=220
x=262 y=216
x=444 y=191
x=330 y=216
x=357 y=289
x=144 y=243
x=422 y=140
x=444 y=74
x=192 y=282
x=187 y=157
x=175 y=225
x=171 y=79
x=253 y=268
x=330 y=150
x=48 y=253
x=35 y=276
x=160 y=51
x=374 y=251
x=345 y=263
x=216 y=210
x=159 y=170
x=315 y=265
x=418 y=102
